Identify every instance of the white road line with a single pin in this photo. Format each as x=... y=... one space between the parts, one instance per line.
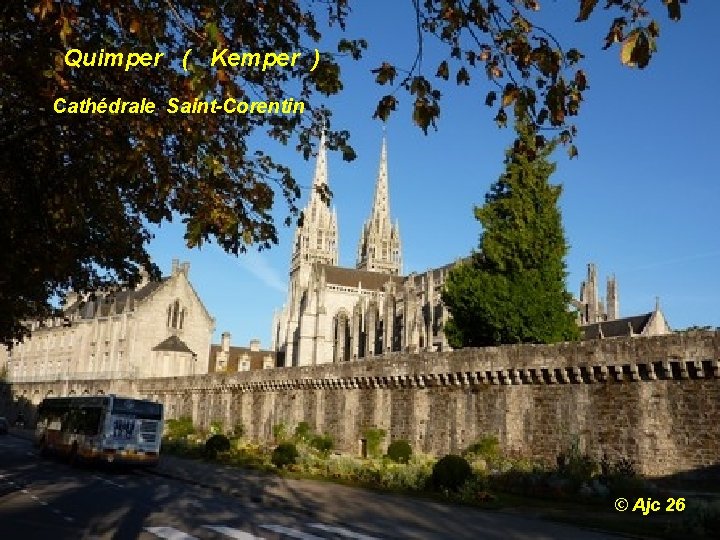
x=43 y=503
x=108 y=481
x=233 y=533
x=341 y=531
x=68 y=518
x=24 y=491
x=169 y=533
x=292 y=533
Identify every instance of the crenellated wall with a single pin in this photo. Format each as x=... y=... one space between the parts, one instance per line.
x=655 y=400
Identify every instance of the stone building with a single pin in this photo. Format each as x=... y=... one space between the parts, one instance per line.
x=334 y=314
x=599 y=317
x=591 y=307
x=158 y=329
x=225 y=358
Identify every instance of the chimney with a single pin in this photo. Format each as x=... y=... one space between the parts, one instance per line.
x=175 y=264
x=144 y=278
x=185 y=268
x=70 y=298
x=254 y=345
x=225 y=342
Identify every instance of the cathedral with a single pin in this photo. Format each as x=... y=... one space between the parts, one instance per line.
x=336 y=314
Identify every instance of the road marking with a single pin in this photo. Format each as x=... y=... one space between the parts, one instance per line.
x=108 y=481
x=68 y=518
x=341 y=531
x=292 y=533
x=169 y=533
x=233 y=533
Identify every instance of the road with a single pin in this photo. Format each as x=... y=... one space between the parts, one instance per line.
x=49 y=500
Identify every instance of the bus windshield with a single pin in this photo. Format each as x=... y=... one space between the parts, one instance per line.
x=146 y=410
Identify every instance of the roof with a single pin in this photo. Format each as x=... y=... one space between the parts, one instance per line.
x=173 y=344
x=617 y=327
x=350 y=277
x=118 y=302
x=236 y=354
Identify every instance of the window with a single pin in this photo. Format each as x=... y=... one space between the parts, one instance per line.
x=176 y=315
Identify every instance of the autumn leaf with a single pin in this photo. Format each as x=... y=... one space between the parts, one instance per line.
x=586 y=8
x=443 y=71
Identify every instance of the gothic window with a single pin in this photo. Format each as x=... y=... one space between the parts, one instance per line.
x=176 y=315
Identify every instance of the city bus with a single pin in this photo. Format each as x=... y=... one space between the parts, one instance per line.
x=108 y=428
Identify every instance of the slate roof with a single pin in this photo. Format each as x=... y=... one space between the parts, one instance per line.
x=173 y=344
x=235 y=356
x=617 y=327
x=112 y=303
x=350 y=277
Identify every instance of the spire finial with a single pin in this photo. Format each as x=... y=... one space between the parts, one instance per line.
x=657 y=303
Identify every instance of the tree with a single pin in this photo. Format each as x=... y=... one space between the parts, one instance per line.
x=513 y=289
x=79 y=191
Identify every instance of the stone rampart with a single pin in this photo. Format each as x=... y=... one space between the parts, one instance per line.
x=654 y=400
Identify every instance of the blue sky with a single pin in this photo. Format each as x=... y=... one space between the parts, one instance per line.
x=641 y=201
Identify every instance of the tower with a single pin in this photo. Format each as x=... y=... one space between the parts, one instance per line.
x=316 y=240
x=613 y=307
x=379 y=248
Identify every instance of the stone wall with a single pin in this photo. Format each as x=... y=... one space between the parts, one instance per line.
x=655 y=400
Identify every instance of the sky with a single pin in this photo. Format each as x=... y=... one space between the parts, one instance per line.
x=641 y=201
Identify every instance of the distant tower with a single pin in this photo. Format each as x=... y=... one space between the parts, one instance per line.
x=316 y=240
x=589 y=296
x=613 y=303
x=593 y=309
x=379 y=249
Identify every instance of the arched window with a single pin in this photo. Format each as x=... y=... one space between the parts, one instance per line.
x=176 y=315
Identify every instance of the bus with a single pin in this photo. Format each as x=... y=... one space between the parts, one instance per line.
x=106 y=428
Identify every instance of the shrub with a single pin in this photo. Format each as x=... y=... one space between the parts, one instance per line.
x=488 y=448
x=303 y=432
x=216 y=427
x=238 y=430
x=180 y=428
x=215 y=444
x=322 y=443
x=280 y=432
x=285 y=454
x=576 y=466
x=451 y=472
x=374 y=438
x=399 y=451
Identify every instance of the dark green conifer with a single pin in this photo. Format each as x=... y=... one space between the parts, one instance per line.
x=513 y=290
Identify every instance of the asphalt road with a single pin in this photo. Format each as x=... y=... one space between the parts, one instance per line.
x=45 y=499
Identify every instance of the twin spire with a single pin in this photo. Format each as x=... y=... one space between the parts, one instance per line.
x=379 y=247
x=316 y=240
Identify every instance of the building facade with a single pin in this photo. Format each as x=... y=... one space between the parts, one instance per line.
x=336 y=314
x=159 y=329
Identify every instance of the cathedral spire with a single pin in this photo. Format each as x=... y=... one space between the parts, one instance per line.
x=316 y=238
x=379 y=248
x=321 y=172
x=380 y=214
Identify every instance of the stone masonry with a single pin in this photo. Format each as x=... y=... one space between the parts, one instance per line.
x=654 y=400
